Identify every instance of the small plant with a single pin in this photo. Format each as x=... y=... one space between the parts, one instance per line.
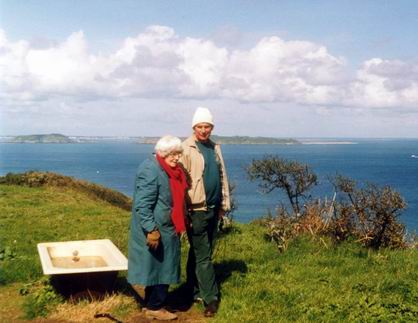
x=7 y=253
x=41 y=298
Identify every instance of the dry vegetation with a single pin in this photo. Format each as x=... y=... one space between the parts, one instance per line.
x=368 y=214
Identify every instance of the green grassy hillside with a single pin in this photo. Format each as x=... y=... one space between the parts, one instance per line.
x=311 y=281
x=32 y=215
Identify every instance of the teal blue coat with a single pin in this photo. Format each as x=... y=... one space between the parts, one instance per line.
x=151 y=210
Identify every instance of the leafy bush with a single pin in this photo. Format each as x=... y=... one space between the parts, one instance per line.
x=12 y=179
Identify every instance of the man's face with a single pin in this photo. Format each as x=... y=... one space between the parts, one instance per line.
x=202 y=131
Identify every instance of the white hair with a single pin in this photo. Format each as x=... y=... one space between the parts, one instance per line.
x=168 y=144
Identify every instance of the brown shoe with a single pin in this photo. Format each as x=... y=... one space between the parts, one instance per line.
x=162 y=314
x=211 y=309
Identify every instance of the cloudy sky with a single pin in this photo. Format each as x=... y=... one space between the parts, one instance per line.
x=264 y=68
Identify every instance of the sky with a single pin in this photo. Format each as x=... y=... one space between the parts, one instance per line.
x=337 y=69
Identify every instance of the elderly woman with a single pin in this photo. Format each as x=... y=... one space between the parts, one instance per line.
x=158 y=218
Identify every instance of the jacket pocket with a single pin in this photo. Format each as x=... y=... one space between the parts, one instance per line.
x=163 y=217
x=195 y=184
x=197 y=193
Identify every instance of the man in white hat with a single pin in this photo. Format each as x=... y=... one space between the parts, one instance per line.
x=208 y=200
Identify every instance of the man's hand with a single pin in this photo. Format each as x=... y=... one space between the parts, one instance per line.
x=221 y=214
x=153 y=239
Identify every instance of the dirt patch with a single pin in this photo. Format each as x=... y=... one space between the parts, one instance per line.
x=48 y=321
x=10 y=304
x=178 y=302
x=114 y=308
x=193 y=315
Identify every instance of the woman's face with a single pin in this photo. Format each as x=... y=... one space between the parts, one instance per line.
x=172 y=158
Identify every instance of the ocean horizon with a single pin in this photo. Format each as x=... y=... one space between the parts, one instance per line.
x=383 y=161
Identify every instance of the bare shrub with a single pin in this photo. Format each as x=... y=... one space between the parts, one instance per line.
x=343 y=225
x=294 y=178
x=280 y=229
x=284 y=226
x=314 y=218
x=370 y=213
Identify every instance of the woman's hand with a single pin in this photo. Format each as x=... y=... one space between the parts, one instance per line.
x=153 y=239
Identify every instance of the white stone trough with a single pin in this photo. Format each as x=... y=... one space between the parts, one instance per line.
x=83 y=256
x=83 y=267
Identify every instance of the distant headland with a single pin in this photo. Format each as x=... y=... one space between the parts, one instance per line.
x=53 y=138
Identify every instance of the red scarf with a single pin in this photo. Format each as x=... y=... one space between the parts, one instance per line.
x=178 y=185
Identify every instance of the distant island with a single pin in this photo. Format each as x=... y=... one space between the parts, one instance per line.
x=62 y=139
x=53 y=138
x=246 y=140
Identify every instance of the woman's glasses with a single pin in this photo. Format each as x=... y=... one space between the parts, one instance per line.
x=175 y=154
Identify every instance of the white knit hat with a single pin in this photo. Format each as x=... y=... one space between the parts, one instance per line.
x=202 y=115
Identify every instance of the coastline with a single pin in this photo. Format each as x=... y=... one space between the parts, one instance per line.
x=329 y=143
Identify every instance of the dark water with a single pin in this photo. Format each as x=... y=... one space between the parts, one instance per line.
x=384 y=162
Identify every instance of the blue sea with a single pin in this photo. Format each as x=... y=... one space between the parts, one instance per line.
x=383 y=162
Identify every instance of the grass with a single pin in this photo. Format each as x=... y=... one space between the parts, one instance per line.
x=48 y=179
x=118 y=305
x=311 y=281
x=33 y=215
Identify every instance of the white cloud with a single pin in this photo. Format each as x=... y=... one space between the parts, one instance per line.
x=158 y=63
x=204 y=64
x=35 y=74
x=275 y=70
x=385 y=83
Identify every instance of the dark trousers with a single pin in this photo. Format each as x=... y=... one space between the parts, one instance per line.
x=200 y=270
x=155 y=296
